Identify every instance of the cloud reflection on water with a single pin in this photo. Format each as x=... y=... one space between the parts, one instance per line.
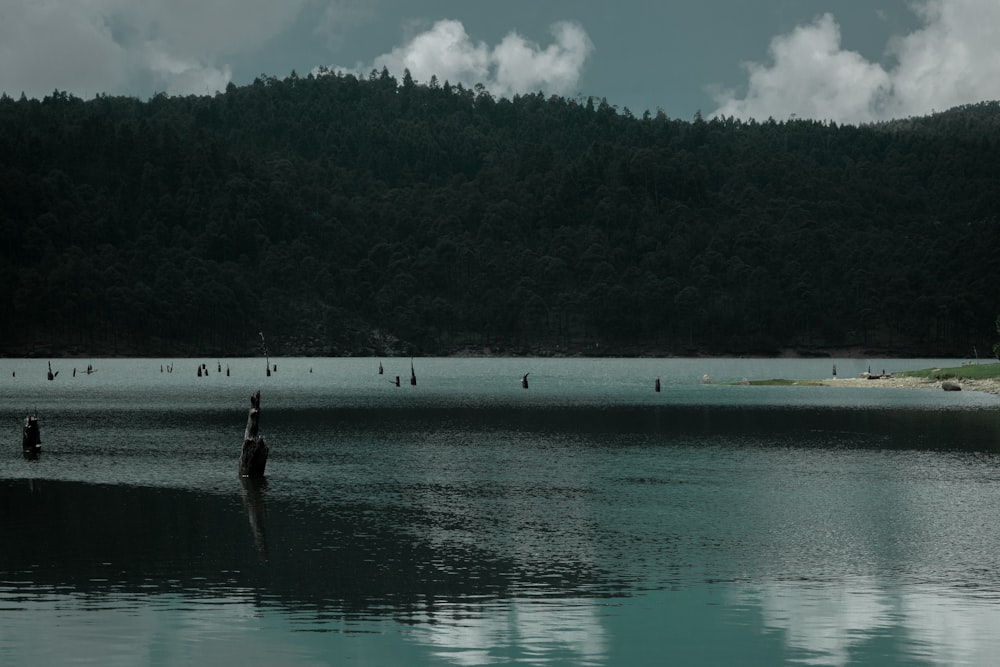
x=832 y=623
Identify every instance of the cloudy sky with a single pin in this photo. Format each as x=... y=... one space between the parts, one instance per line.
x=841 y=60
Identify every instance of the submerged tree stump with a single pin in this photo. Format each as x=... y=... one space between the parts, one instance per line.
x=253 y=457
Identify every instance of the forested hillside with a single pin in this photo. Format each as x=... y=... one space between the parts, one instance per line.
x=346 y=216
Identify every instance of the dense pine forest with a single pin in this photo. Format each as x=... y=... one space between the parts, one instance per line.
x=347 y=216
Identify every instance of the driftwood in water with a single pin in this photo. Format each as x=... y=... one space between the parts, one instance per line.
x=31 y=437
x=253 y=457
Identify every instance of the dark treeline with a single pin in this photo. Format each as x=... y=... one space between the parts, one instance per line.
x=352 y=216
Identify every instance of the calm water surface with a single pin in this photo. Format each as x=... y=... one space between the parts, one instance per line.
x=587 y=520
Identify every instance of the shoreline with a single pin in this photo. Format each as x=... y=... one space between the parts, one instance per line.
x=988 y=385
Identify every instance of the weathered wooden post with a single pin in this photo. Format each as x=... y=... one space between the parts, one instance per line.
x=413 y=375
x=657 y=385
x=253 y=457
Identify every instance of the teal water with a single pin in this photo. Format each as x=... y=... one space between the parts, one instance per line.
x=468 y=521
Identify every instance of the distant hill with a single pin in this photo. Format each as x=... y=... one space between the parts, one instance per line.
x=347 y=216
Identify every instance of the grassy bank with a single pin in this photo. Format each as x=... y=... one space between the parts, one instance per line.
x=972 y=377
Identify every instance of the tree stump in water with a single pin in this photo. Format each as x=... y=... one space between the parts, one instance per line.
x=253 y=457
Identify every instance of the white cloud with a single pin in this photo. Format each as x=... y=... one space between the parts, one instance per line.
x=811 y=77
x=513 y=66
x=522 y=67
x=445 y=51
x=953 y=59
x=114 y=46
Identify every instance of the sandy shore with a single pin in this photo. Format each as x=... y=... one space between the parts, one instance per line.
x=990 y=385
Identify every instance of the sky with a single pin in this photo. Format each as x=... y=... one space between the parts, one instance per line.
x=847 y=61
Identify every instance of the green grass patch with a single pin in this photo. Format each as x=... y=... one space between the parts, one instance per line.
x=966 y=372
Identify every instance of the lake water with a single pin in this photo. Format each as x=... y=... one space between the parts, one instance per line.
x=586 y=520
